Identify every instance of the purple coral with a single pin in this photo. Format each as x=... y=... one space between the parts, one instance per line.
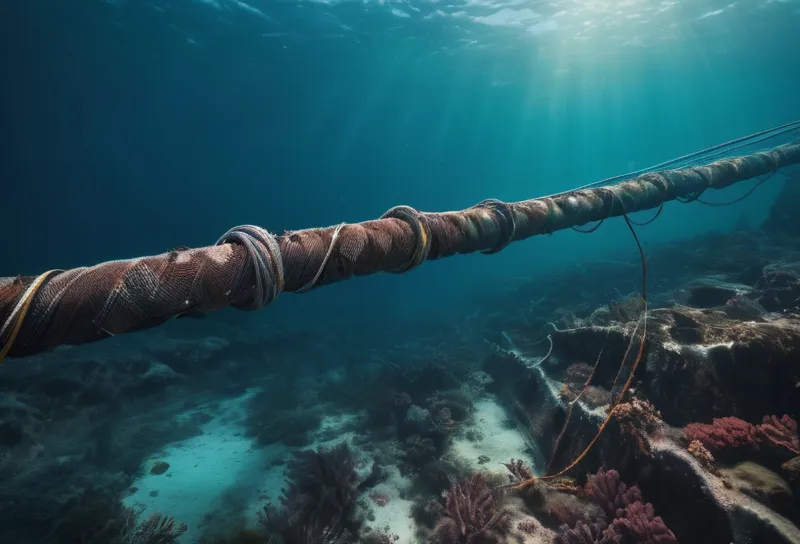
x=520 y=472
x=631 y=520
x=471 y=515
x=637 y=523
x=585 y=532
x=723 y=433
x=607 y=490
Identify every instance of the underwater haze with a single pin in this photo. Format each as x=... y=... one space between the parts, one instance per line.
x=439 y=405
x=135 y=127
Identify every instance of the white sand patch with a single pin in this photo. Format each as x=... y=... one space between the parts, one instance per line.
x=330 y=431
x=204 y=468
x=500 y=444
x=396 y=514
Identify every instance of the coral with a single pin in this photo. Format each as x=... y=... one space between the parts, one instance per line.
x=439 y=475
x=443 y=421
x=779 y=434
x=320 y=498
x=774 y=434
x=391 y=409
x=282 y=528
x=637 y=523
x=531 y=493
x=640 y=413
x=704 y=456
x=607 y=490
x=379 y=537
x=723 y=433
x=419 y=450
x=426 y=513
x=94 y=516
x=471 y=515
x=99 y=517
x=155 y=530
x=792 y=467
x=587 y=532
x=631 y=520
x=381 y=499
x=567 y=509
x=519 y=470
x=638 y=418
x=425 y=376
x=455 y=403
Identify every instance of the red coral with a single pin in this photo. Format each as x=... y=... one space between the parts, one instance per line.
x=780 y=434
x=381 y=499
x=638 y=523
x=723 y=433
x=607 y=490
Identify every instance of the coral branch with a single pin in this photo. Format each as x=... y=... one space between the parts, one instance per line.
x=779 y=433
x=471 y=514
x=638 y=523
x=607 y=490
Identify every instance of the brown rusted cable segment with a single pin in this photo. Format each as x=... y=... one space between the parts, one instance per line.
x=249 y=267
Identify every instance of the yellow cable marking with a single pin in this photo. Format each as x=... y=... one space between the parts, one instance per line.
x=29 y=294
x=423 y=234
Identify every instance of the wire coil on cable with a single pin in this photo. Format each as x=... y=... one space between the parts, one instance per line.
x=422 y=238
x=508 y=225
x=264 y=255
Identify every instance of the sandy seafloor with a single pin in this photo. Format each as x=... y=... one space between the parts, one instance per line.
x=207 y=472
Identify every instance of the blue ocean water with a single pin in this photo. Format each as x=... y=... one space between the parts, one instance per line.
x=131 y=127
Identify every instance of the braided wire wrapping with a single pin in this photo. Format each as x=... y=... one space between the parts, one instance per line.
x=249 y=267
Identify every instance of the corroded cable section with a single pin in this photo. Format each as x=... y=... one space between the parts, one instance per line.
x=87 y=304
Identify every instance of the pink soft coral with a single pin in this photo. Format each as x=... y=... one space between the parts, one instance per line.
x=638 y=523
x=779 y=434
x=630 y=519
x=723 y=433
x=607 y=490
